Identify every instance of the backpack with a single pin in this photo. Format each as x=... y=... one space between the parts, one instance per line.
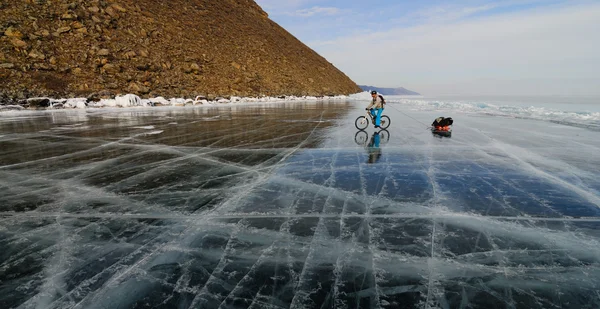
x=442 y=122
x=382 y=100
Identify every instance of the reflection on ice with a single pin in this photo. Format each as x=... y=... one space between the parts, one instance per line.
x=269 y=207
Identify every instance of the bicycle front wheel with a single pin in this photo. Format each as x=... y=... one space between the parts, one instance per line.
x=385 y=122
x=361 y=123
x=361 y=138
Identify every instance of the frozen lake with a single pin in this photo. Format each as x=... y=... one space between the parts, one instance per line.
x=289 y=206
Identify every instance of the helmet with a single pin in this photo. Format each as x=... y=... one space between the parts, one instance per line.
x=373 y=92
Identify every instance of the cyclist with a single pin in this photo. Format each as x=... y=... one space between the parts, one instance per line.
x=376 y=107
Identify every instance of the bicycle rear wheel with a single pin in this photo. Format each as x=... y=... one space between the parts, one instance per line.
x=385 y=136
x=361 y=123
x=385 y=122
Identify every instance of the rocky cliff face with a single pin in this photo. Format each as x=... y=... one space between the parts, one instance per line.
x=182 y=48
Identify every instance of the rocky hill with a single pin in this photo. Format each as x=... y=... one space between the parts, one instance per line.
x=390 y=91
x=181 y=48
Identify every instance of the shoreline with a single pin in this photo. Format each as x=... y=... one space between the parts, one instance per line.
x=134 y=101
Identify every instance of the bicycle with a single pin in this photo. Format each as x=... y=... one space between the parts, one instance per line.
x=362 y=122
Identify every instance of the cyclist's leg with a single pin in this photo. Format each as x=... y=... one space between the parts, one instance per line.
x=372 y=111
x=378 y=120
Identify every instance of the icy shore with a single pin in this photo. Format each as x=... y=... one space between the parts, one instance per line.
x=131 y=100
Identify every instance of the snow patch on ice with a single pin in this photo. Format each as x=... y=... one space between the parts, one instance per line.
x=159 y=100
x=76 y=103
x=128 y=100
x=11 y=108
x=154 y=132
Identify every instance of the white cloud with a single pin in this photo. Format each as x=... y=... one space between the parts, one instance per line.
x=317 y=10
x=445 y=13
x=556 y=46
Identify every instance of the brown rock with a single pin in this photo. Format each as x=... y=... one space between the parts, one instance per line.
x=78 y=71
x=52 y=60
x=236 y=65
x=38 y=102
x=41 y=66
x=94 y=9
x=18 y=43
x=143 y=67
x=119 y=8
x=43 y=33
x=143 y=53
x=7 y=66
x=138 y=89
x=112 y=12
x=111 y=68
x=67 y=16
x=103 y=52
x=129 y=55
x=13 y=33
x=105 y=94
x=77 y=25
x=36 y=55
x=63 y=30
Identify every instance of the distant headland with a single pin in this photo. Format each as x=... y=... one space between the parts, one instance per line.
x=389 y=91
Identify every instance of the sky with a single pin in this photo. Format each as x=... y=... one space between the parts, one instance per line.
x=465 y=47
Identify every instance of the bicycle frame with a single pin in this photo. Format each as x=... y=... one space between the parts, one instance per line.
x=371 y=115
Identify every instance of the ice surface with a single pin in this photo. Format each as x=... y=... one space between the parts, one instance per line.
x=574 y=111
x=280 y=206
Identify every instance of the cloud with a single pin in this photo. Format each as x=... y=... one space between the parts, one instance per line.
x=451 y=12
x=550 y=44
x=445 y=13
x=317 y=10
